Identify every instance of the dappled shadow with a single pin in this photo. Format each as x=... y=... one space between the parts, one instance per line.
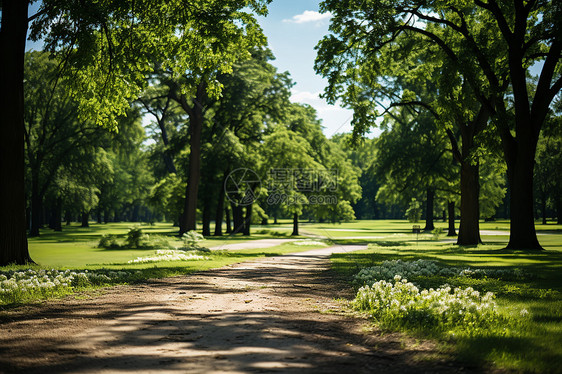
x=252 y=317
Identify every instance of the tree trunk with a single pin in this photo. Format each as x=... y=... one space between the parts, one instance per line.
x=248 y=220
x=57 y=216
x=520 y=165
x=196 y=118
x=206 y=229
x=295 y=225
x=451 y=209
x=469 y=230
x=238 y=218
x=429 y=226
x=13 y=241
x=227 y=220
x=220 y=206
x=85 y=219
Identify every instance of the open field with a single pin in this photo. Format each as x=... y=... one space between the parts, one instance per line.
x=532 y=338
x=530 y=305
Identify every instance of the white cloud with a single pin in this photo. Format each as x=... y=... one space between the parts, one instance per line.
x=309 y=16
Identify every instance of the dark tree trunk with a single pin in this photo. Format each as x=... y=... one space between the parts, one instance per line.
x=196 y=118
x=295 y=225
x=444 y=215
x=220 y=207
x=227 y=221
x=248 y=220
x=13 y=241
x=206 y=229
x=429 y=210
x=520 y=176
x=100 y=216
x=85 y=219
x=67 y=218
x=451 y=209
x=238 y=218
x=469 y=230
x=57 y=216
x=264 y=221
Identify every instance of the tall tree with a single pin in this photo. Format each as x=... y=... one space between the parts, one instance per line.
x=498 y=41
x=108 y=48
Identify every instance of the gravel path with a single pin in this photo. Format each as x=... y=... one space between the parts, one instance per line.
x=276 y=314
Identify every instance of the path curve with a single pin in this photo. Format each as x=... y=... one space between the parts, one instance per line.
x=268 y=315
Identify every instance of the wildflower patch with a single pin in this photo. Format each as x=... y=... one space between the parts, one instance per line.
x=18 y=286
x=402 y=304
x=168 y=255
x=427 y=268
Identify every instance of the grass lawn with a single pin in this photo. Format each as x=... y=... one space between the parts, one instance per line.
x=532 y=343
x=75 y=248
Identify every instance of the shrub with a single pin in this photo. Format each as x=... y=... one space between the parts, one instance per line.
x=437 y=232
x=413 y=213
x=191 y=240
x=108 y=241
x=136 y=238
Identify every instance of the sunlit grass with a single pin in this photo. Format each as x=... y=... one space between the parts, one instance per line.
x=532 y=344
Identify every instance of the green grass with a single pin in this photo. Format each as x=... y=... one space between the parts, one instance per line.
x=75 y=248
x=532 y=344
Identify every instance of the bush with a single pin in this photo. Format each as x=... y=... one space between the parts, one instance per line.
x=437 y=232
x=413 y=213
x=108 y=241
x=191 y=240
x=136 y=238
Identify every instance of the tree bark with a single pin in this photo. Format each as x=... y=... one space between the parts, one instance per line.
x=295 y=225
x=85 y=219
x=220 y=206
x=451 y=211
x=469 y=230
x=196 y=118
x=227 y=220
x=248 y=220
x=429 y=226
x=238 y=218
x=206 y=229
x=13 y=241
x=57 y=216
x=520 y=176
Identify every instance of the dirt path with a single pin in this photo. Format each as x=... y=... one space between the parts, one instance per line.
x=263 y=316
x=253 y=244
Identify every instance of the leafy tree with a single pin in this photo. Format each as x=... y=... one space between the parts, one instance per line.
x=55 y=141
x=108 y=48
x=491 y=44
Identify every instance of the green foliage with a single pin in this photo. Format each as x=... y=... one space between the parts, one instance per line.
x=413 y=213
x=437 y=232
x=108 y=241
x=191 y=241
x=454 y=311
x=136 y=238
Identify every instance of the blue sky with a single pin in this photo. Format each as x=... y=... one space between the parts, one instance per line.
x=293 y=28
